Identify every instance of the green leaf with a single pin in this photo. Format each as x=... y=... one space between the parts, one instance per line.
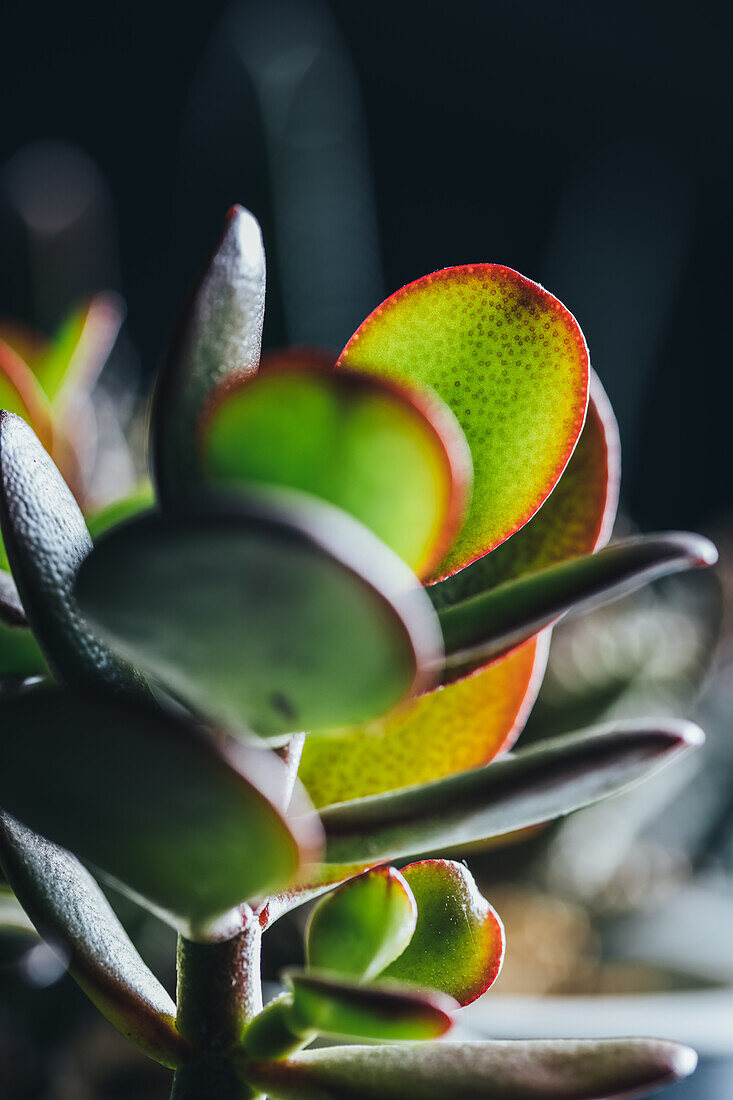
x=483 y=627
x=542 y=1069
x=458 y=945
x=331 y=1007
x=576 y=518
x=537 y=784
x=185 y=821
x=217 y=339
x=275 y=613
x=341 y=436
x=20 y=655
x=512 y=364
x=74 y=917
x=72 y=361
x=459 y=726
x=362 y=926
x=46 y=541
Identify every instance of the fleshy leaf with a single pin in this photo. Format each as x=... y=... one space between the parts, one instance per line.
x=483 y=627
x=74 y=917
x=541 y=1069
x=20 y=393
x=512 y=364
x=19 y=652
x=72 y=361
x=343 y=436
x=217 y=338
x=458 y=944
x=275 y=613
x=576 y=518
x=331 y=1007
x=459 y=726
x=46 y=540
x=185 y=821
x=361 y=927
x=548 y=780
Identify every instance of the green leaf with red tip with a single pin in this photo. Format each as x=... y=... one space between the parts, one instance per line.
x=541 y=1069
x=20 y=655
x=74 y=917
x=537 y=784
x=217 y=340
x=512 y=364
x=489 y=624
x=275 y=613
x=46 y=540
x=342 y=436
x=187 y=822
x=458 y=944
x=361 y=927
x=72 y=361
x=323 y=1004
x=576 y=518
x=459 y=726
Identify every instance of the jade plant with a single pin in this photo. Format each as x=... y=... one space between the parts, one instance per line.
x=296 y=678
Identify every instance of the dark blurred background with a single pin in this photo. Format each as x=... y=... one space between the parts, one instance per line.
x=586 y=145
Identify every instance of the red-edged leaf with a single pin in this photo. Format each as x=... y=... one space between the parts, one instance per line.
x=20 y=393
x=342 y=435
x=543 y=1069
x=458 y=944
x=577 y=517
x=450 y=730
x=512 y=364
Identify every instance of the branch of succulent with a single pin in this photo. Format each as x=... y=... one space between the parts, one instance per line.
x=373 y=549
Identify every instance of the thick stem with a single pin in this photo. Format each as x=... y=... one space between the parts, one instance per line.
x=219 y=992
x=219 y=989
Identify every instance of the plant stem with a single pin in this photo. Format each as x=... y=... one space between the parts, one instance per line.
x=219 y=991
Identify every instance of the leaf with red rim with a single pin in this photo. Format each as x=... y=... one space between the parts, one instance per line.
x=342 y=436
x=361 y=927
x=452 y=729
x=490 y=624
x=510 y=361
x=340 y=1008
x=577 y=517
x=458 y=943
x=539 y=1069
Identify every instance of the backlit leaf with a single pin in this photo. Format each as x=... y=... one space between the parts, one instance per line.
x=576 y=518
x=20 y=393
x=512 y=364
x=458 y=944
x=485 y=626
x=548 y=780
x=72 y=360
x=361 y=927
x=394 y=458
x=340 y=1008
x=456 y=727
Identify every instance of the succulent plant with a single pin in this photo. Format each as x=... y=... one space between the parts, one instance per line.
x=298 y=668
